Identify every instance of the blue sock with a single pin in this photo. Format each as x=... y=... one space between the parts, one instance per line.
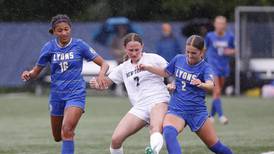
x=220 y=148
x=213 y=109
x=68 y=147
x=218 y=106
x=170 y=134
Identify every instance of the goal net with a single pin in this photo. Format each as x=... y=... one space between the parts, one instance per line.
x=254 y=36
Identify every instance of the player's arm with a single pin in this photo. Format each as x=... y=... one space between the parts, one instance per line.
x=207 y=85
x=32 y=74
x=229 y=51
x=156 y=70
x=102 y=81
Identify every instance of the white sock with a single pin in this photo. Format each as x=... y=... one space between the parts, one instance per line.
x=156 y=141
x=116 y=151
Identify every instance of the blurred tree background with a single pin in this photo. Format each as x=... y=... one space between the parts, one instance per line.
x=138 y=10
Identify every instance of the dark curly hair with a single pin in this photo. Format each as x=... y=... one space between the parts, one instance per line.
x=57 y=19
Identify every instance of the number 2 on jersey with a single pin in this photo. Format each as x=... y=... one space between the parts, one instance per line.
x=183 y=86
x=64 y=66
x=136 y=78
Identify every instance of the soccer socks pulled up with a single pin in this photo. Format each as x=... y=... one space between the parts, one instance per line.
x=68 y=147
x=217 y=107
x=220 y=148
x=170 y=134
x=156 y=141
x=213 y=110
x=116 y=151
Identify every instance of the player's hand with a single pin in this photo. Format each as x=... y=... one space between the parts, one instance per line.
x=229 y=52
x=196 y=82
x=141 y=67
x=25 y=76
x=171 y=87
x=102 y=82
x=93 y=83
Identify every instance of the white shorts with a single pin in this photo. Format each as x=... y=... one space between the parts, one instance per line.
x=143 y=111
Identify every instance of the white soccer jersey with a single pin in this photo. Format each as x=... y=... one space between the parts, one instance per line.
x=143 y=87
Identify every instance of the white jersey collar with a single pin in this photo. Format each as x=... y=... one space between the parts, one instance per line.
x=56 y=41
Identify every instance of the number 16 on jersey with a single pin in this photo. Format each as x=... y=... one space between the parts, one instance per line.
x=64 y=66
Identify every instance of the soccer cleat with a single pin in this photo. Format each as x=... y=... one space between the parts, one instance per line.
x=149 y=150
x=223 y=120
x=211 y=119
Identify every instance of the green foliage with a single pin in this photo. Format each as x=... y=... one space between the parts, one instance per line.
x=142 y=10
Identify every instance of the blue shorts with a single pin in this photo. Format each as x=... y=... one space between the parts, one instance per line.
x=221 y=71
x=194 y=120
x=57 y=107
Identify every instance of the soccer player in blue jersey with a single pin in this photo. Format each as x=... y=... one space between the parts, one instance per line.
x=67 y=98
x=193 y=77
x=220 y=46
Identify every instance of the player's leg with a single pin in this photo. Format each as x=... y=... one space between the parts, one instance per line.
x=219 y=109
x=72 y=115
x=217 y=103
x=56 y=127
x=128 y=126
x=172 y=126
x=157 y=115
x=56 y=108
x=208 y=135
x=216 y=95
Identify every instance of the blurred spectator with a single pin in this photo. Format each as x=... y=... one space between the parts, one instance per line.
x=197 y=27
x=117 y=49
x=168 y=46
x=110 y=35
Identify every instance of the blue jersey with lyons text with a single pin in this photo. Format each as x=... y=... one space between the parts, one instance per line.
x=215 y=46
x=66 y=67
x=188 y=98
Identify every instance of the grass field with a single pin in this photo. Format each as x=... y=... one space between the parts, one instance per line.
x=25 y=127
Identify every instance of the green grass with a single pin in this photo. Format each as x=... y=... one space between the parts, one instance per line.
x=25 y=127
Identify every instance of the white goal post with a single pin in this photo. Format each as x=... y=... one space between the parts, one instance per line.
x=254 y=38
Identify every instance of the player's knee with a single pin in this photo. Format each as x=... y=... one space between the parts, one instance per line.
x=155 y=128
x=116 y=142
x=67 y=131
x=217 y=94
x=170 y=132
x=220 y=148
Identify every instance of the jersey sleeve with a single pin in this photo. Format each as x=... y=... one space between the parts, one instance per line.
x=116 y=75
x=161 y=62
x=44 y=57
x=170 y=68
x=231 y=42
x=88 y=52
x=207 y=41
x=208 y=74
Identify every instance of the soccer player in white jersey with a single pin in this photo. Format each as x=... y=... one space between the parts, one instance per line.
x=147 y=93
